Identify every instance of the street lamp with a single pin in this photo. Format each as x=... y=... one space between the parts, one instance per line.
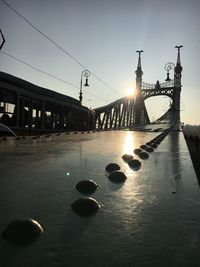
x=85 y=74
x=168 y=67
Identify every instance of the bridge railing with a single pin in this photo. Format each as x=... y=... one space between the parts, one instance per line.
x=146 y=86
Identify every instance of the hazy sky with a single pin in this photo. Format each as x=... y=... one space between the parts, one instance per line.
x=103 y=36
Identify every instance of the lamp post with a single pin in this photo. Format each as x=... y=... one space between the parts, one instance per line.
x=168 y=67
x=85 y=74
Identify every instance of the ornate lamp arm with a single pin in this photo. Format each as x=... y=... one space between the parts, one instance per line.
x=168 y=67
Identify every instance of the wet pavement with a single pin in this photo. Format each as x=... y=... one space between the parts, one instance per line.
x=152 y=219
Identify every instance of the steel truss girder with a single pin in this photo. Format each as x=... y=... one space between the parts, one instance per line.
x=168 y=91
x=122 y=113
x=119 y=115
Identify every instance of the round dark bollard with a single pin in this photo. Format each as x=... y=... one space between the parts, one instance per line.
x=22 y=232
x=143 y=155
x=127 y=157
x=153 y=145
x=117 y=177
x=134 y=164
x=111 y=167
x=137 y=151
x=87 y=187
x=85 y=206
x=149 y=149
x=144 y=147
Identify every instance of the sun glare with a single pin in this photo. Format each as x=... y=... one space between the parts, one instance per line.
x=130 y=91
x=129 y=143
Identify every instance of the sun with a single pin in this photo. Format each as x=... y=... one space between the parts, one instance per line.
x=130 y=91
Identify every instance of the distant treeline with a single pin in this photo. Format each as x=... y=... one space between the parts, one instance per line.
x=191 y=130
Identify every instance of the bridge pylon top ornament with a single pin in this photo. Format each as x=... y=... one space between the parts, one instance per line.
x=178 y=68
x=139 y=51
x=139 y=60
x=178 y=47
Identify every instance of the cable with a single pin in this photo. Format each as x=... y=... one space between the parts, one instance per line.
x=46 y=73
x=58 y=46
x=27 y=64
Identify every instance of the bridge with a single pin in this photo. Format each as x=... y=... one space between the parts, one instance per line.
x=129 y=112
x=152 y=219
x=29 y=109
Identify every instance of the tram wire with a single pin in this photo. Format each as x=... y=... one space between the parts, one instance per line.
x=58 y=46
x=51 y=75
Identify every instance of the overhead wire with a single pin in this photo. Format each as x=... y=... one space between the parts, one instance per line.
x=51 y=75
x=58 y=46
x=44 y=72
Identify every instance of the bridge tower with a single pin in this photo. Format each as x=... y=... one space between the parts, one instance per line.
x=140 y=114
x=177 y=87
x=139 y=72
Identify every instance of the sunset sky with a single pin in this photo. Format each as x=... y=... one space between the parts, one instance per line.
x=103 y=37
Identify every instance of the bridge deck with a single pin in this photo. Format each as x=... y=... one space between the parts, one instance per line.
x=141 y=223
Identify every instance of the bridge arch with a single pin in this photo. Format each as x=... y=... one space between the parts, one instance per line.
x=156 y=106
